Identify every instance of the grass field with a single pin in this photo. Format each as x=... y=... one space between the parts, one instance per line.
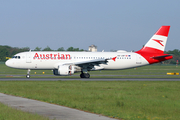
x=128 y=100
x=8 y=113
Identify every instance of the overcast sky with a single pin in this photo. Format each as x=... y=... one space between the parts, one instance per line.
x=108 y=24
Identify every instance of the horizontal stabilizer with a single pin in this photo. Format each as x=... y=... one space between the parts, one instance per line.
x=159 y=57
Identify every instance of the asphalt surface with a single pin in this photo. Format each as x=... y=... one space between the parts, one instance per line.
x=49 y=110
x=90 y=79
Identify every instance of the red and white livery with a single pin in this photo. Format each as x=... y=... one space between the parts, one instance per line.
x=66 y=63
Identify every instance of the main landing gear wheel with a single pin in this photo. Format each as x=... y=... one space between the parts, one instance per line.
x=85 y=75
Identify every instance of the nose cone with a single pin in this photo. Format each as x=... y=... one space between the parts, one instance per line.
x=10 y=63
x=13 y=63
x=7 y=63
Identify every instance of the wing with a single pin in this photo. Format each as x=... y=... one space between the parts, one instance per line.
x=88 y=65
x=91 y=64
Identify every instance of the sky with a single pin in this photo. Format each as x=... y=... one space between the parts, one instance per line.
x=108 y=24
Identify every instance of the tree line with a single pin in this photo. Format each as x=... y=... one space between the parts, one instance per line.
x=176 y=56
x=7 y=51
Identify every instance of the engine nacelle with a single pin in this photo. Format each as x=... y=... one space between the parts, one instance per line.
x=64 y=70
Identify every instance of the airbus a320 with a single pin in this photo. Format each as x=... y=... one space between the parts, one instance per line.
x=67 y=63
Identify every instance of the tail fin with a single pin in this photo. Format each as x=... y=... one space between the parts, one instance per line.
x=157 y=42
x=153 y=51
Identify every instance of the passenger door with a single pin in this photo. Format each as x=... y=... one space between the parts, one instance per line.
x=28 y=57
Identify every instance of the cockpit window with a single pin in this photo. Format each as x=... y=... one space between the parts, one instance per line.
x=16 y=57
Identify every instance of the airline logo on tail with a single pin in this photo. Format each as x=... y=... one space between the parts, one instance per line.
x=158 y=41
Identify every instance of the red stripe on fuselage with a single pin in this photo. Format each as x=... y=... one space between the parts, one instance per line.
x=150 y=50
x=148 y=53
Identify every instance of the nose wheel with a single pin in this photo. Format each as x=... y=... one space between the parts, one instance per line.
x=27 y=76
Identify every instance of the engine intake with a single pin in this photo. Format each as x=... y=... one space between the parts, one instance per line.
x=64 y=70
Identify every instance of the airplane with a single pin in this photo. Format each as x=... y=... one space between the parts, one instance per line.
x=67 y=63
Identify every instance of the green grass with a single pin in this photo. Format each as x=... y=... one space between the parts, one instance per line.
x=8 y=113
x=128 y=100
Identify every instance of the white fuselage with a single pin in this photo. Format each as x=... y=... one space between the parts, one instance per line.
x=51 y=60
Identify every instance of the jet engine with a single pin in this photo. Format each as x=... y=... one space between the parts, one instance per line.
x=64 y=70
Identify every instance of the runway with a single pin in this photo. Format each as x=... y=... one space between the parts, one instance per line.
x=90 y=79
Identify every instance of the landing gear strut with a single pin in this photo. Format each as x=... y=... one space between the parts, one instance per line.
x=84 y=75
x=28 y=73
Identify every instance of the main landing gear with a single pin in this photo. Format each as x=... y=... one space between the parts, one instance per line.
x=84 y=75
x=28 y=73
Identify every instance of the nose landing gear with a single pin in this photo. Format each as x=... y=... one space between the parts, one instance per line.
x=28 y=73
